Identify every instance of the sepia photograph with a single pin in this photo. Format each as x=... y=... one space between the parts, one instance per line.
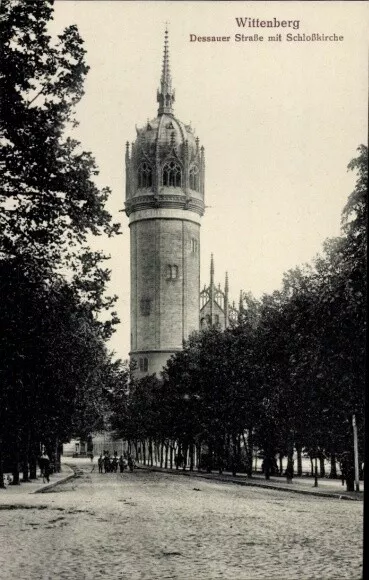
x=183 y=275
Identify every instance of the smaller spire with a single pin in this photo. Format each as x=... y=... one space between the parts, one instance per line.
x=212 y=270
x=226 y=301
x=165 y=95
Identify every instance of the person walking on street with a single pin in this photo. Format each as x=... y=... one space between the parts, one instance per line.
x=106 y=462
x=45 y=466
x=130 y=463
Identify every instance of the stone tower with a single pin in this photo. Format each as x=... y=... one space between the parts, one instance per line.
x=164 y=202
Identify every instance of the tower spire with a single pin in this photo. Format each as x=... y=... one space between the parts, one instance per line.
x=166 y=95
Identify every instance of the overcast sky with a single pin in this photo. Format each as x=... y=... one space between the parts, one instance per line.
x=279 y=122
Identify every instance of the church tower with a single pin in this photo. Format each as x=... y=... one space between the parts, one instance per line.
x=165 y=170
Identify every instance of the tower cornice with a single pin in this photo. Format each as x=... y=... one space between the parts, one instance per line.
x=181 y=202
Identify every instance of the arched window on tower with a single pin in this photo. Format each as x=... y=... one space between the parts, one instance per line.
x=194 y=178
x=144 y=176
x=172 y=174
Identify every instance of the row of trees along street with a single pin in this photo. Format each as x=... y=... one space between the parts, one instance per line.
x=55 y=367
x=289 y=376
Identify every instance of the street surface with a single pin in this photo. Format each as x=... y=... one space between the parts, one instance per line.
x=153 y=526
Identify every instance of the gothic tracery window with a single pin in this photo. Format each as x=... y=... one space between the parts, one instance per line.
x=144 y=175
x=194 y=178
x=172 y=174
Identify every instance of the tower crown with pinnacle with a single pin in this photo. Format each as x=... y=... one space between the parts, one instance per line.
x=165 y=166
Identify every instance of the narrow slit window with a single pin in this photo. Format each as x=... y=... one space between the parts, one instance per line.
x=144 y=364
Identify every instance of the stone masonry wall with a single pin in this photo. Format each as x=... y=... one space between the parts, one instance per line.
x=165 y=283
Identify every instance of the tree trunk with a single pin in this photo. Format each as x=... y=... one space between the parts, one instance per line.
x=171 y=455
x=2 y=484
x=210 y=458
x=281 y=464
x=191 y=456
x=234 y=454
x=150 y=453
x=311 y=466
x=245 y=446
x=15 y=471
x=137 y=457
x=58 y=449
x=289 y=470
x=34 y=452
x=321 y=466
x=161 y=454
x=185 y=455
x=198 y=457
x=333 y=473
x=25 y=470
x=250 y=450
x=144 y=451
x=166 y=456
x=299 y=460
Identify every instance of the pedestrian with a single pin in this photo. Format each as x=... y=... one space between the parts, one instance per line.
x=130 y=463
x=100 y=463
x=115 y=462
x=106 y=462
x=44 y=463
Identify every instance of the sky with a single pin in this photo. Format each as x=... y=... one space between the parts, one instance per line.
x=279 y=120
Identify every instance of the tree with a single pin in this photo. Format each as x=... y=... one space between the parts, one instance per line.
x=49 y=202
x=54 y=353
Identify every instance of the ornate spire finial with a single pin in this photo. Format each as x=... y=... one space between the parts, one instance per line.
x=212 y=270
x=165 y=96
x=226 y=286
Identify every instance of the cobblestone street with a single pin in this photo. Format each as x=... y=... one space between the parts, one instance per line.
x=150 y=526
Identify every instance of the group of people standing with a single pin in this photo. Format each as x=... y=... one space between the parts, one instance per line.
x=109 y=464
